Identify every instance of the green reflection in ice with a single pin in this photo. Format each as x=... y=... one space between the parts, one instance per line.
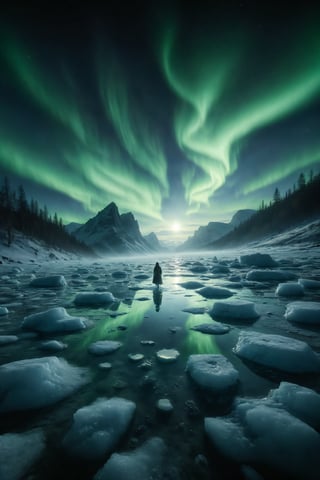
x=197 y=342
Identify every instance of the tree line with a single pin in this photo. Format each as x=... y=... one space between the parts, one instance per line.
x=16 y=213
x=299 y=204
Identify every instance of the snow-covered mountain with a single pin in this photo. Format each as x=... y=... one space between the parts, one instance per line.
x=215 y=230
x=153 y=241
x=110 y=232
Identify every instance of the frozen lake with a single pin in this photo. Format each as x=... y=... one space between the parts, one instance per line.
x=146 y=320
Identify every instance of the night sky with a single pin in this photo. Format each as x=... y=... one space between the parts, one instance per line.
x=180 y=113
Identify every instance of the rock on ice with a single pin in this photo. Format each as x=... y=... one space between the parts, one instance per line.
x=234 y=309
x=94 y=299
x=276 y=351
x=54 y=320
x=55 y=281
x=212 y=372
x=97 y=428
x=303 y=312
x=38 y=382
x=141 y=463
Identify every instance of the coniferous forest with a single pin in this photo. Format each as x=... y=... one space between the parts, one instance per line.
x=299 y=204
x=17 y=214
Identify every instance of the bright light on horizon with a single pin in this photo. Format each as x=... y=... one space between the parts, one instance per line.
x=175 y=227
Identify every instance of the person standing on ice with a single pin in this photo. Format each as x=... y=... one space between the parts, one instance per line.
x=157 y=275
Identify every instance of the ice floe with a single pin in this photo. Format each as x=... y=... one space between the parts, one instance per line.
x=262 y=260
x=214 y=292
x=212 y=372
x=3 y=311
x=211 y=328
x=38 y=382
x=234 y=309
x=53 y=346
x=18 y=452
x=303 y=312
x=7 y=339
x=167 y=355
x=164 y=405
x=270 y=275
x=290 y=289
x=93 y=299
x=54 y=320
x=191 y=285
x=143 y=463
x=276 y=351
x=309 y=283
x=97 y=428
x=103 y=347
x=54 y=281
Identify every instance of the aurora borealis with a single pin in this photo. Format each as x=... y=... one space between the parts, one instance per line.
x=177 y=112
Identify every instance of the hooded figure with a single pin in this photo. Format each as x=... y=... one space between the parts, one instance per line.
x=157 y=275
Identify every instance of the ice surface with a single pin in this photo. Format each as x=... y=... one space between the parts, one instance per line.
x=270 y=275
x=309 y=283
x=97 y=428
x=303 y=312
x=38 y=382
x=214 y=292
x=167 y=355
x=3 y=311
x=234 y=309
x=18 y=452
x=7 y=339
x=143 y=463
x=93 y=299
x=262 y=260
x=103 y=347
x=276 y=351
x=211 y=328
x=270 y=436
x=301 y=402
x=194 y=310
x=55 y=281
x=54 y=320
x=290 y=290
x=191 y=285
x=212 y=372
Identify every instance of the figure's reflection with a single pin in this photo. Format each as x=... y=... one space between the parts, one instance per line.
x=157 y=298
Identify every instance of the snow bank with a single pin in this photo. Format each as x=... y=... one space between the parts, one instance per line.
x=290 y=290
x=37 y=382
x=212 y=372
x=103 y=347
x=94 y=299
x=276 y=351
x=54 y=320
x=211 y=328
x=262 y=260
x=18 y=452
x=55 y=281
x=97 y=428
x=215 y=292
x=303 y=312
x=269 y=275
x=141 y=463
x=234 y=309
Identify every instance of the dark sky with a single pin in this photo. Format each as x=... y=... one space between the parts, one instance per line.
x=180 y=112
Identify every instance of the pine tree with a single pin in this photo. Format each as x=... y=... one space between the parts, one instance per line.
x=301 y=181
x=276 y=196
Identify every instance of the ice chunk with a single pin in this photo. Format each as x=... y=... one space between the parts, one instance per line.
x=194 y=310
x=269 y=275
x=103 y=347
x=119 y=274
x=53 y=346
x=38 y=382
x=18 y=452
x=234 y=309
x=212 y=372
x=191 y=285
x=309 y=284
x=301 y=402
x=97 y=428
x=215 y=292
x=164 y=405
x=54 y=320
x=269 y=436
x=262 y=260
x=290 y=290
x=95 y=299
x=211 y=328
x=198 y=267
x=276 y=351
x=142 y=463
x=55 y=281
x=303 y=312
x=7 y=339
x=167 y=355
x=3 y=311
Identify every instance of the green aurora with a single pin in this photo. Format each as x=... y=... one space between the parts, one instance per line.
x=188 y=119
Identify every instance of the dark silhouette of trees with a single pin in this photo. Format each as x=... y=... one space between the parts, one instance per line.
x=17 y=214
